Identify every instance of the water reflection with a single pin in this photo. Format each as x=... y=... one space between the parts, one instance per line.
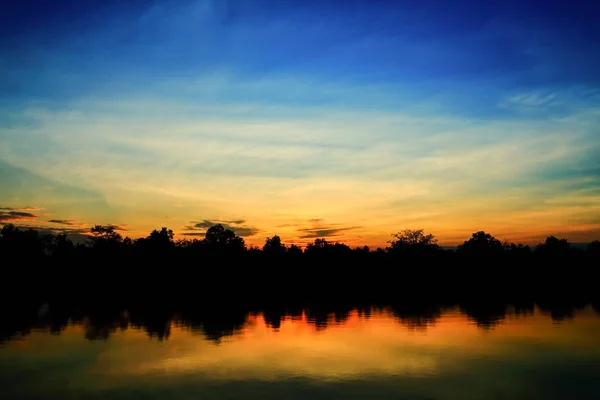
x=497 y=351
x=219 y=322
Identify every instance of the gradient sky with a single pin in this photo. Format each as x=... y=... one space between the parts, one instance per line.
x=348 y=120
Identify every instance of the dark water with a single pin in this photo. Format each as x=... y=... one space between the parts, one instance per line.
x=365 y=355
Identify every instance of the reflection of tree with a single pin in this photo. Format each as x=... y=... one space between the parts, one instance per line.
x=318 y=317
x=485 y=316
x=365 y=312
x=273 y=319
x=100 y=326
x=561 y=311
x=523 y=309
x=221 y=321
x=596 y=307
x=416 y=317
x=156 y=323
x=214 y=324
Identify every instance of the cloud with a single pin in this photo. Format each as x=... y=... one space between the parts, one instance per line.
x=113 y=226
x=532 y=99
x=319 y=230
x=236 y=226
x=21 y=208
x=321 y=233
x=236 y=222
x=205 y=224
x=117 y=227
x=7 y=216
x=194 y=233
x=63 y=222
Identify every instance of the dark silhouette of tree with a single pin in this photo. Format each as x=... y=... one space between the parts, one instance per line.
x=318 y=244
x=594 y=248
x=481 y=244
x=156 y=272
x=158 y=243
x=60 y=246
x=517 y=250
x=219 y=236
x=273 y=245
x=295 y=251
x=411 y=241
x=24 y=244
x=106 y=233
x=107 y=244
x=554 y=247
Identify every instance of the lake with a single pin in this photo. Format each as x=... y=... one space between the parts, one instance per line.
x=373 y=353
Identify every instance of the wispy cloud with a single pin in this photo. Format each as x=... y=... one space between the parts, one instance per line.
x=117 y=227
x=65 y=222
x=238 y=226
x=319 y=229
x=20 y=208
x=532 y=99
x=11 y=216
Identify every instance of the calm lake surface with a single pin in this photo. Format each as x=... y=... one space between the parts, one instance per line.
x=370 y=354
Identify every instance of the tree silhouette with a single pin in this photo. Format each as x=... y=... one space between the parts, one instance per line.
x=413 y=241
x=60 y=246
x=554 y=247
x=594 y=248
x=157 y=269
x=273 y=245
x=318 y=244
x=106 y=233
x=294 y=251
x=218 y=237
x=481 y=243
x=517 y=250
x=21 y=243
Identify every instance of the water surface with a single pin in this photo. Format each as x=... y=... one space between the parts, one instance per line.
x=366 y=354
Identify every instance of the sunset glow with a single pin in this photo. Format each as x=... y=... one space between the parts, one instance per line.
x=349 y=123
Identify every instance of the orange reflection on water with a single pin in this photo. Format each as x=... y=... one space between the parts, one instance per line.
x=358 y=346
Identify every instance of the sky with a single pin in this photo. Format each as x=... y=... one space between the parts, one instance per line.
x=345 y=120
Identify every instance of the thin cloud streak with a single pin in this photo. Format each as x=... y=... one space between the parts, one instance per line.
x=237 y=226
x=11 y=216
x=63 y=222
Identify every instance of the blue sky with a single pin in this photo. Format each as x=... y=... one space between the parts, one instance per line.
x=351 y=118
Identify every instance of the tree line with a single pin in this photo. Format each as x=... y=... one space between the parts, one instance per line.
x=105 y=240
x=220 y=268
